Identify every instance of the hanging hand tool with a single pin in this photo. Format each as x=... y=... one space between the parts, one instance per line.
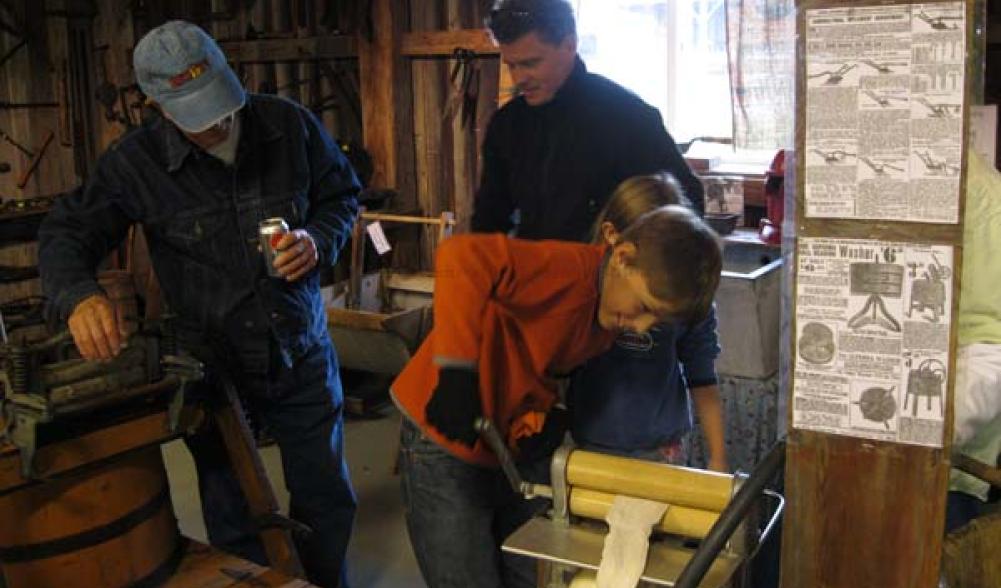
x=33 y=157
x=465 y=81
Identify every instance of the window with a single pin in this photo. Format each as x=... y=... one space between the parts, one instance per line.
x=672 y=53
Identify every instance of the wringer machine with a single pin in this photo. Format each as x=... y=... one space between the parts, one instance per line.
x=721 y=513
x=83 y=491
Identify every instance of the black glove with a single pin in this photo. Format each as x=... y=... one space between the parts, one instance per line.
x=455 y=405
x=543 y=444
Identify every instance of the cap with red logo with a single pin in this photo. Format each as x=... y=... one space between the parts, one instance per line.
x=181 y=67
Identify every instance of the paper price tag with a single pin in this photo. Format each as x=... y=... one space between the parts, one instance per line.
x=378 y=237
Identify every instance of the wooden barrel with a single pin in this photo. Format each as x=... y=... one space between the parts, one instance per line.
x=111 y=526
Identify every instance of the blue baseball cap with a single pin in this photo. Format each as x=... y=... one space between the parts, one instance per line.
x=181 y=67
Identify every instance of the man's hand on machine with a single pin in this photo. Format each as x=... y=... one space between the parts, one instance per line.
x=455 y=405
x=95 y=328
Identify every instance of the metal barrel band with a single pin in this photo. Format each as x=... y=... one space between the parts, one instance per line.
x=91 y=537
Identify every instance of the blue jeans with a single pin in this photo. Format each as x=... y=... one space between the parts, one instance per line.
x=303 y=407
x=458 y=515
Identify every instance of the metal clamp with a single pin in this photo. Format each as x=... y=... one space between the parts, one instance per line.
x=561 y=489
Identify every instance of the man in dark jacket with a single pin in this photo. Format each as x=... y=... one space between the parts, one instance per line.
x=553 y=154
x=199 y=179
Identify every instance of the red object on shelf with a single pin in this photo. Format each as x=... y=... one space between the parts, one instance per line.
x=770 y=228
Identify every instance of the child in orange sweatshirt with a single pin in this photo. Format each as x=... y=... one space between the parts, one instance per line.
x=510 y=317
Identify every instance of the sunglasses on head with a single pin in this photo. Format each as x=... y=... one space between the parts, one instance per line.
x=520 y=14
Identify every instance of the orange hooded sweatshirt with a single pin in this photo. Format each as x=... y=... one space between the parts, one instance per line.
x=521 y=313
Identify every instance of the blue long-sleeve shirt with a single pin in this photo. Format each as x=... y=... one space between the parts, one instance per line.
x=201 y=220
x=635 y=397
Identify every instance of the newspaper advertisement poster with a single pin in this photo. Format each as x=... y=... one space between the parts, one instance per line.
x=884 y=111
x=872 y=339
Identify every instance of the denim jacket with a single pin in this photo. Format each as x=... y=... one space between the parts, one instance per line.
x=201 y=220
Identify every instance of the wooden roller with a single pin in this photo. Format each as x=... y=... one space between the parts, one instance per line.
x=678 y=520
x=673 y=485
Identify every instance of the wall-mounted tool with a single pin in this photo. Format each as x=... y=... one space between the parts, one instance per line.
x=115 y=101
x=465 y=81
x=33 y=156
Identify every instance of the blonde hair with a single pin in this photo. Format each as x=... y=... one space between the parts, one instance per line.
x=635 y=197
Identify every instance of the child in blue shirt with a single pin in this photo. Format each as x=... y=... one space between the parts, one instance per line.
x=635 y=399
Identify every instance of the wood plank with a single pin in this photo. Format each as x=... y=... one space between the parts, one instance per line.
x=114 y=37
x=432 y=133
x=316 y=48
x=356 y=319
x=254 y=482
x=203 y=566
x=386 y=108
x=404 y=218
x=862 y=512
x=444 y=43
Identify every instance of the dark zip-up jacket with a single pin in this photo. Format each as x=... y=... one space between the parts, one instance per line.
x=201 y=221
x=556 y=164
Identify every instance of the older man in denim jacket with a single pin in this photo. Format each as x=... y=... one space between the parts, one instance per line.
x=199 y=179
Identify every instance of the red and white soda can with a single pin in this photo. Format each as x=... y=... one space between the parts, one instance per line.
x=270 y=232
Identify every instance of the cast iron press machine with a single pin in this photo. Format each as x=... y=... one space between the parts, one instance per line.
x=46 y=386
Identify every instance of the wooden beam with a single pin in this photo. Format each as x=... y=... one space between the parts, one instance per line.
x=444 y=43
x=862 y=513
x=250 y=474
x=864 y=508
x=432 y=131
x=386 y=106
x=305 y=49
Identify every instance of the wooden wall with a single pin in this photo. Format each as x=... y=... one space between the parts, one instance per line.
x=35 y=77
x=447 y=167
x=346 y=60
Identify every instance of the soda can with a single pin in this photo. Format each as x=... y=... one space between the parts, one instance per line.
x=270 y=232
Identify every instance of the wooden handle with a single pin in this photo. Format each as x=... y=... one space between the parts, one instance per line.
x=400 y=218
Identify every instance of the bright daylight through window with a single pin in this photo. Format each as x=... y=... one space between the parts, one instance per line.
x=672 y=53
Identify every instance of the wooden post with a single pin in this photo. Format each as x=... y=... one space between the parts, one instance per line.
x=431 y=130
x=385 y=99
x=866 y=502
x=253 y=480
x=464 y=147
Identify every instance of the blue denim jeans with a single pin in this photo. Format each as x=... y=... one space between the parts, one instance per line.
x=458 y=515
x=303 y=408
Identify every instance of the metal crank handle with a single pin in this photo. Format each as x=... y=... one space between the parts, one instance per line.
x=488 y=431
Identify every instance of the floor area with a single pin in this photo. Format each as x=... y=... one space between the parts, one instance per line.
x=380 y=555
